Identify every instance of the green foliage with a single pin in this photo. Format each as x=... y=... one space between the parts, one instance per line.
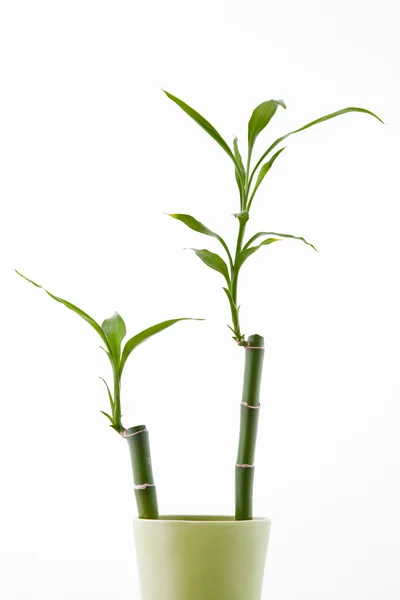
x=230 y=298
x=337 y=113
x=115 y=331
x=259 y=120
x=214 y=261
x=239 y=160
x=109 y=394
x=109 y=418
x=246 y=252
x=237 y=336
x=262 y=173
x=206 y=125
x=194 y=224
x=145 y=335
x=240 y=172
x=279 y=235
x=112 y=332
x=74 y=308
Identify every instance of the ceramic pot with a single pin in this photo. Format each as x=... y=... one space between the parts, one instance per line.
x=201 y=557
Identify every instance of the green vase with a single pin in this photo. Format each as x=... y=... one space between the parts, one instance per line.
x=201 y=557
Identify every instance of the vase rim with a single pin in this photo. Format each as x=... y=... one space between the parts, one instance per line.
x=199 y=519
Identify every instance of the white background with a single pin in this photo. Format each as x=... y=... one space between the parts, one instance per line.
x=92 y=154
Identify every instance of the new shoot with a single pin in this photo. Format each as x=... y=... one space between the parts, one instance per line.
x=112 y=332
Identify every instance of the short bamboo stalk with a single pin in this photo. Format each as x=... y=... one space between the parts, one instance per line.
x=145 y=489
x=249 y=413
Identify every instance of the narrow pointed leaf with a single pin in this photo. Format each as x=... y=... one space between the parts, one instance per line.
x=316 y=122
x=240 y=185
x=214 y=261
x=115 y=331
x=264 y=170
x=240 y=171
x=144 y=335
x=74 y=308
x=109 y=394
x=231 y=302
x=206 y=125
x=194 y=224
x=238 y=156
x=260 y=118
x=109 y=355
x=280 y=235
x=108 y=416
x=246 y=252
x=233 y=331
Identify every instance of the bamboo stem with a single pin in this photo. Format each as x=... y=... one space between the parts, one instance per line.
x=234 y=285
x=145 y=489
x=244 y=470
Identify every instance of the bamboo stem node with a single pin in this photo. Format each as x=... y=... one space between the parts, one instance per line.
x=245 y=466
x=125 y=433
x=143 y=486
x=249 y=405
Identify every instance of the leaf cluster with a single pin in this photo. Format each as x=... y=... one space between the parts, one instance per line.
x=249 y=179
x=112 y=333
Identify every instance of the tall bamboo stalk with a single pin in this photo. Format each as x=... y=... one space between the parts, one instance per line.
x=249 y=413
x=248 y=179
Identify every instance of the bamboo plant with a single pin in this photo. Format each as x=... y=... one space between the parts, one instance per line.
x=112 y=332
x=249 y=177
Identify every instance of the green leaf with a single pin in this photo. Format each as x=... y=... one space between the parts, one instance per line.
x=260 y=118
x=144 y=335
x=230 y=298
x=240 y=185
x=74 y=308
x=109 y=394
x=206 y=125
x=108 y=417
x=240 y=171
x=280 y=235
x=316 y=122
x=115 y=331
x=238 y=156
x=214 y=261
x=263 y=171
x=246 y=252
x=194 y=224
x=233 y=331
